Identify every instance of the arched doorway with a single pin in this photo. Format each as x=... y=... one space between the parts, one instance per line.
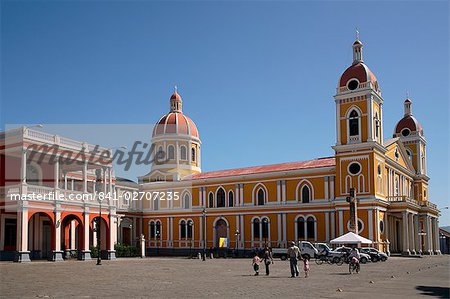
x=126 y=227
x=221 y=230
x=104 y=239
x=72 y=233
x=40 y=235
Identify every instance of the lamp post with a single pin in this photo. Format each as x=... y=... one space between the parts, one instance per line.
x=237 y=233
x=158 y=235
x=98 y=183
x=204 y=234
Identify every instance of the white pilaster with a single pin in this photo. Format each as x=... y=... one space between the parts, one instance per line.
x=341 y=222
x=405 y=243
x=327 y=226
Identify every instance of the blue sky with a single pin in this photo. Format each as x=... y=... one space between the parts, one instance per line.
x=258 y=78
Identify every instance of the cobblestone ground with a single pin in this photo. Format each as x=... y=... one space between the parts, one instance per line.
x=177 y=277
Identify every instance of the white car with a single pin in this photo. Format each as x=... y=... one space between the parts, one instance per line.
x=307 y=249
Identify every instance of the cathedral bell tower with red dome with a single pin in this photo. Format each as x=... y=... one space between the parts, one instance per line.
x=359 y=127
x=410 y=131
x=176 y=143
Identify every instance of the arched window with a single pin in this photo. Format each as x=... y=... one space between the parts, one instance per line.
x=190 y=225
x=156 y=203
x=182 y=229
x=353 y=123
x=187 y=201
x=193 y=155
x=377 y=126
x=230 y=199
x=256 y=232
x=158 y=228
x=300 y=228
x=211 y=200
x=220 y=198
x=33 y=177
x=265 y=228
x=310 y=228
x=171 y=152
x=152 y=229
x=261 y=195
x=183 y=153
x=306 y=194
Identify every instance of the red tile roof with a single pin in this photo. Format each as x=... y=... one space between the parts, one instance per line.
x=321 y=162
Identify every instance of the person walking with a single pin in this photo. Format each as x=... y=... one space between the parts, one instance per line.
x=293 y=253
x=268 y=258
x=255 y=262
x=306 y=266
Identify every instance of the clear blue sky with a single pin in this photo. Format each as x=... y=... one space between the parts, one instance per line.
x=257 y=77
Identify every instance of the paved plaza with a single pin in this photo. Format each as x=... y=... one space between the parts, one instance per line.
x=177 y=277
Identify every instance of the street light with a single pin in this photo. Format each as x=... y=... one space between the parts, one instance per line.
x=158 y=235
x=204 y=234
x=98 y=183
x=237 y=233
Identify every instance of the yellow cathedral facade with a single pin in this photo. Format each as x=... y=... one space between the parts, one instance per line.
x=304 y=200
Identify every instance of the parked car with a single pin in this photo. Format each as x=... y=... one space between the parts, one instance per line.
x=307 y=249
x=322 y=248
x=375 y=252
x=280 y=253
x=345 y=251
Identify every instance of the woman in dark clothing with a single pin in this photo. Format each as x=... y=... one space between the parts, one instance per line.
x=268 y=258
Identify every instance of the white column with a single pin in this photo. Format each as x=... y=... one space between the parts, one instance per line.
x=428 y=235
x=341 y=222
x=436 y=245
x=325 y=186
x=23 y=168
x=56 y=173
x=86 y=223
x=85 y=167
x=65 y=181
x=370 y=224
x=284 y=229
x=411 y=234
x=279 y=226
x=242 y=193
x=377 y=227
x=405 y=243
x=278 y=192
x=416 y=235
x=327 y=227
x=72 y=234
x=112 y=230
x=242 y=231
x=332 y=187
x=283 y=190
x=333 y=224
x=22 y=230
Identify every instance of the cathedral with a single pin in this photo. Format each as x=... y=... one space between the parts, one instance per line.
x=186 y=210
x=303 y=200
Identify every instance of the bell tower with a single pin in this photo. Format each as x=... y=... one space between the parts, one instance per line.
x=359 y=127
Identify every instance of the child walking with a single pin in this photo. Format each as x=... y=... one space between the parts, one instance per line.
x=306 y=266
x=256 y=261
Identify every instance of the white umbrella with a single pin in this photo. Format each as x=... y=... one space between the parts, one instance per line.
x=350 y=238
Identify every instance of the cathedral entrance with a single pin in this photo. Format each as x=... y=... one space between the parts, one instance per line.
x=221 y=230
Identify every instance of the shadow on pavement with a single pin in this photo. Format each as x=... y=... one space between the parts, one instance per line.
x=434 y=291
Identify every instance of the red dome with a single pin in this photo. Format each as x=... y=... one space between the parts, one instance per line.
x=409 y=122
x=175 y=123
x=175 y=96
x=359 y=71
